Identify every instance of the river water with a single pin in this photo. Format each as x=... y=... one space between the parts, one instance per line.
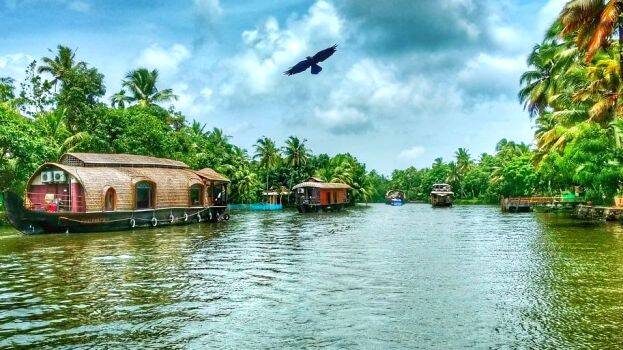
x=368 y=277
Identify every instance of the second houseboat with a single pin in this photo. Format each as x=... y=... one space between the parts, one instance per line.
x=315 y=195
x=87 y=192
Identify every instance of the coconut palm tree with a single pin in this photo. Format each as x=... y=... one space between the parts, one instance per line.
x=463 y=160
x=59 y=66
x=246 y=184
x=199 y=129
x=120 y=99
x=53 y=126
x=141 y=83
x=296 y=154
x=601 y=90
x=592 y=23
x=268 y=154
x=541 y=83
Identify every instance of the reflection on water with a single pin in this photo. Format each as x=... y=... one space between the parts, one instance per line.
x=375 y=277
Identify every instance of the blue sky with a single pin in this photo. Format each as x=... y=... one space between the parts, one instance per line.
x=411 y=81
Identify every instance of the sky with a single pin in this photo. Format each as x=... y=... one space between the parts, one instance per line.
x=411 y=80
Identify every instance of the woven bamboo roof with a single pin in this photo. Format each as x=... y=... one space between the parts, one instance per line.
x=317 y=183
x=171 y=184
x=211 y=174
x=127 y=160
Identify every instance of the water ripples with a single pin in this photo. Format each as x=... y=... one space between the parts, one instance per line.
x=371 y=277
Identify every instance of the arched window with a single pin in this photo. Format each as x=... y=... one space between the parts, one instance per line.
x=110 y=199
x=145 y=195
x=196 y=195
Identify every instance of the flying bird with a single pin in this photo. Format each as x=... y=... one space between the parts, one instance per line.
x=312 y=62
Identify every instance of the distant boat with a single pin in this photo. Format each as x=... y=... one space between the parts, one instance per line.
x=394 y=197
x=441 y=195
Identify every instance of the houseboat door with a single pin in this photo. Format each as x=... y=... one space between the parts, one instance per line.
x=324 y=197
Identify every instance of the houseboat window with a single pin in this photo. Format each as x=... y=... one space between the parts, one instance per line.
x=110 y=199
x=144 y=195
x=196 y=199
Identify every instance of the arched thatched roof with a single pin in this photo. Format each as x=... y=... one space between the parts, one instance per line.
x=172 y=183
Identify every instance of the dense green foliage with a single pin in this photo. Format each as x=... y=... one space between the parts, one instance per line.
x=507 y=173
x=571 y=91
x=60 y=108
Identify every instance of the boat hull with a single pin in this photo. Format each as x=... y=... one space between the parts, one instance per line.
x=36 y=222
x=395 y=202
x=315 y=208
x=441 y=200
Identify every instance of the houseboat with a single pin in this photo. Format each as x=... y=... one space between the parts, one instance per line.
x=441 y=195
x=314 y=195
x=395 y=198
x=87 y=192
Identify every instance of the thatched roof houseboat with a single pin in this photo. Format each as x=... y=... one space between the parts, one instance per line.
x=314 y=195
x=96 y=192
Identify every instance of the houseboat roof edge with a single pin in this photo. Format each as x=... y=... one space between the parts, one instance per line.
x=119 y=160
x=323 y=185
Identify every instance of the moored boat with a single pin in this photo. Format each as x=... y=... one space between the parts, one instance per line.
x=87 y=192
x=394 y=197
x=314 y=195
x=441 y=195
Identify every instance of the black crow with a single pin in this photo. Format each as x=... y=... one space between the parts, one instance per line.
x=312 y=62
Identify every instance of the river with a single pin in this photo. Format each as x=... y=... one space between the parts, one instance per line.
x=368 y=277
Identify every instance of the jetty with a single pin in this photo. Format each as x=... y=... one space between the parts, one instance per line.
x=527 y=204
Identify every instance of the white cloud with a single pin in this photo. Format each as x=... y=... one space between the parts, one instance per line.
x=165 y=60
x=548 y=14
x=271 y=49
x=191 y=104
x=14 y=65
x=79 y=6
x=491 y=75
x=411 y=153
x=209 y=10
x=343 y=120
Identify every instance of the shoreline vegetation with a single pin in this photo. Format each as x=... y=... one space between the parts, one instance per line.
x=571 y=91
x=61 y=107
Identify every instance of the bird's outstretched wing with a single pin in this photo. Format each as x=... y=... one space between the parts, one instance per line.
x=297 y=68
x=324 y=54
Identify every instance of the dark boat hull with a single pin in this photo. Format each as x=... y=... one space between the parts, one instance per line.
x=34 y=222
x=314 y=208
x=441 y=201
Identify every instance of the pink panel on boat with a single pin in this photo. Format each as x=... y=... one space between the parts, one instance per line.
x=77 y=198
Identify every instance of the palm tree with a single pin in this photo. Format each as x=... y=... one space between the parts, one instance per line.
x=268 y=154
x=541 y=83
x=141 y=84
x=199 y=129
x=53 y=125
x=296 y=153
x=59 y=66
x=119 y=99
x=592 y=23
x=602 y=89
x=463 y=160
x=247 y=183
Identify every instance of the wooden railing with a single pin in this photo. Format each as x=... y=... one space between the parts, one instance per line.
x=62 y=202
